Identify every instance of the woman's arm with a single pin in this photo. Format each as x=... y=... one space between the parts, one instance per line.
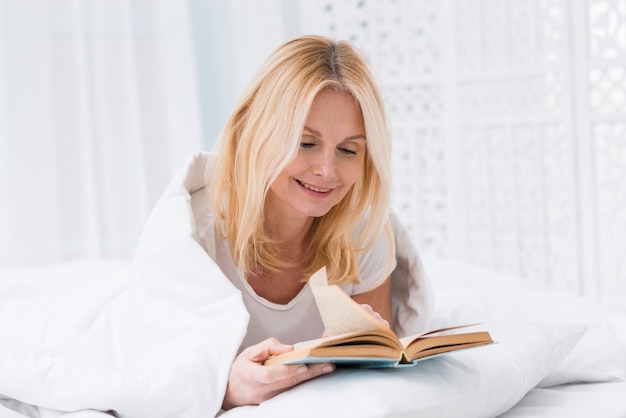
x=379 y=299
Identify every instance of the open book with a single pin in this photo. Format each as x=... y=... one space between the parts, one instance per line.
x=357 y=339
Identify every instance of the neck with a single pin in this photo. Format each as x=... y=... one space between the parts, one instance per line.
x=293 y=236
x=293 y=241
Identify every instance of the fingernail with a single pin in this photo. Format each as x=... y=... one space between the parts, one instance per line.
x=328 y=368
x=301 y=369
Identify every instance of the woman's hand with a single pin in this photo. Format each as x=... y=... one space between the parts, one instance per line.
x=250 y=382
x=379 y=300
x=375 y=314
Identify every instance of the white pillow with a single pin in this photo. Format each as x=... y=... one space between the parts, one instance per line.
x=480 y=382
x=462 y=288
x=596 y=358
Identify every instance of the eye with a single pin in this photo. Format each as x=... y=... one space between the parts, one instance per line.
x=308 y=141
x=347 y=151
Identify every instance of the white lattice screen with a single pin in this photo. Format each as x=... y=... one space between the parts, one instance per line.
x=509 y=122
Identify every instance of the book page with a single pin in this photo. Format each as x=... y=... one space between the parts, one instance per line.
x=435 y=332
x=340 y=314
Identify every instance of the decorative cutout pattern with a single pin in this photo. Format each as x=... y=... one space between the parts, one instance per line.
x=607 y=29
x=414 y=104
x=486 y=136
x=607 y=108
x=525 y=96
x=608 y=90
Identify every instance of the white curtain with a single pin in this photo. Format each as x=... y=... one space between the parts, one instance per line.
x=233 y=38
x=98 y=107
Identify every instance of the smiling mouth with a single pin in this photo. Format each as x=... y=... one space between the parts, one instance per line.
x=313 y=188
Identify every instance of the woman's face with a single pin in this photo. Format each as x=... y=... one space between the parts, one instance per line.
x=329 y=162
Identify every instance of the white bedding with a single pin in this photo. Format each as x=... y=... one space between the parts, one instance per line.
x=578 y=400
x=156 y=339
x=374 y=393
x=498 y=381
x=604 y=347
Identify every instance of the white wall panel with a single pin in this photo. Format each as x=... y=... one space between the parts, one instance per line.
x=509 y=123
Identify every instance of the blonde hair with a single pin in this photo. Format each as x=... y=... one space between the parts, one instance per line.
x=263 y=135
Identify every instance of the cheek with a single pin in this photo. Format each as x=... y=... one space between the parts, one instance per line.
x=292 y=169
x=353 y=174
x=283 y=181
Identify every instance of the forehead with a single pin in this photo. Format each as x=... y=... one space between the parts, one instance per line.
x=333 y=109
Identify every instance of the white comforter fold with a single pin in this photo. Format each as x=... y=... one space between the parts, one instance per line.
x=154 y=338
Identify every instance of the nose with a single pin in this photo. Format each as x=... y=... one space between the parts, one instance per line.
x=324 y=165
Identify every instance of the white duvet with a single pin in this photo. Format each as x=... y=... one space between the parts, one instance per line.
x=154 y=338
x=151 y=339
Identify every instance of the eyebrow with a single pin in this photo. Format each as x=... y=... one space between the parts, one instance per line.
x=319 y=134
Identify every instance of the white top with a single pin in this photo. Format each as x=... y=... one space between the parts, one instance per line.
x=299 y=319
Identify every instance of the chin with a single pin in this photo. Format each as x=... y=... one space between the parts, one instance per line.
x=316 y=213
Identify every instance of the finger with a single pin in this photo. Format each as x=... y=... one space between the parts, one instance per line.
x=375 y=314
x=292 y=375
x=368 y=308
x=283 y=377
x=310 y=371
x=277 y=349
x=265 y=349
x=380 y=318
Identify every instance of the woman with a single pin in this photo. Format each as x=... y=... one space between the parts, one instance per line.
x=302 y=180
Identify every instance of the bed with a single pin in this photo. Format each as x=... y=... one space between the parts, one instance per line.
x=557 y=355
x=156 y=338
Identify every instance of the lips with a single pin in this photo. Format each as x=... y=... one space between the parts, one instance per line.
x=313 y=188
